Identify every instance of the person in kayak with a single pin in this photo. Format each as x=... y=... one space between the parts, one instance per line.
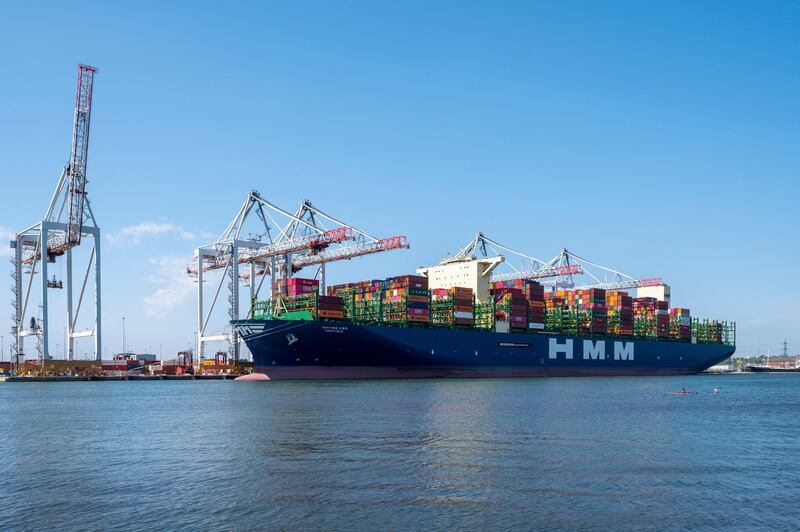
x=683 y=390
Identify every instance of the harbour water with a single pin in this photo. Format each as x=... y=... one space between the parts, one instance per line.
x=584 y=453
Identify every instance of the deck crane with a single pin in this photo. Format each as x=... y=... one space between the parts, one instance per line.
x=303 y=241
x=69 y=217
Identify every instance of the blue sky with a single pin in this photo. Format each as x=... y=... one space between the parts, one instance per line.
x=659 y=138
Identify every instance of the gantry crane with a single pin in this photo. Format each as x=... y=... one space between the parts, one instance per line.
x=611 y=279
x=537 y=268
x=562 y=267
x=301 y=242
x=57 y=235
x=310 y=218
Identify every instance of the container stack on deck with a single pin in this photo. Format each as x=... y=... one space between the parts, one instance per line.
x=568 y=316
x=348 y=291
x=516 y=306
x=592 y=314
x=533 y=294
x=553 y=312
x=680 y=324
x=662 y=319
x=511 y=307
x=620 y=313
x=452 y=307
x=644 y=317
x=298 y=294
x=367 y=305
x=297 y=286
x=330 y=307
x=712 y=332
x=406 y=300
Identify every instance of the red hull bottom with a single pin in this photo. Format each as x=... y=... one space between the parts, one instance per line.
x=354 y=372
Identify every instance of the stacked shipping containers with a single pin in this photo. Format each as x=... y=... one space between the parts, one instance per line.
x=662 y=319
x=401 y=300
x=297 y=286
x=406 y=300
x=713 y=332
x=592 y=315
x=298 y=294
x=452 y=307
x=535 y=297
x=554 y=312
x=522 y=304
x=650 y=318
x=620 y=313
x=533 y=293
x=680 y=324
x=349 y=292
x=511 y=306
x=644 y=317
x=367 y=306
x=330 y=307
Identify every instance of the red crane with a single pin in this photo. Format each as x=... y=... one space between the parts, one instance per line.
x=312 y=242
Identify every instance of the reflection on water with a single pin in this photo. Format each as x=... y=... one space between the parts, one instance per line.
x=428 y=454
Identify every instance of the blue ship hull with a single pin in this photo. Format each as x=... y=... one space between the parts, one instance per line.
x=321 y=349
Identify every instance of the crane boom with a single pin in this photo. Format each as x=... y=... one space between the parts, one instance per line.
x=626 y=284
x=313 y=242
x=79 y=155
x=348 y=252
x=546 y=271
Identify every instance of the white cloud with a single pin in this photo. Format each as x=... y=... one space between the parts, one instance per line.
x=176 y=286
x=133 y=234
x=6 y=236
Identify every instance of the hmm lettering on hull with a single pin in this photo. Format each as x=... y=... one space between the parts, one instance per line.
x=592 y=349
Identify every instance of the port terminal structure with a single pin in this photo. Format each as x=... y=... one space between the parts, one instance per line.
x=286 y=242
x=68 y=219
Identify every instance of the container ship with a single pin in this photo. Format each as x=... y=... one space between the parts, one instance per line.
x=453 y=320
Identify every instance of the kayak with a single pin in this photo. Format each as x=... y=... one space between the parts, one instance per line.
x=682 y=393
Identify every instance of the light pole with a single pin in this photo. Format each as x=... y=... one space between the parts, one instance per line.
x=123 y=335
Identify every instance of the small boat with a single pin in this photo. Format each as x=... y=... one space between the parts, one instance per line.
x=683 y=392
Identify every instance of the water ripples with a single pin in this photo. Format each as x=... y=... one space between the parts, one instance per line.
x=434 y=454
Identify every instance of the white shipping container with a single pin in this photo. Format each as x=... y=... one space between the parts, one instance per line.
x=539 y=326
x=463 y=315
